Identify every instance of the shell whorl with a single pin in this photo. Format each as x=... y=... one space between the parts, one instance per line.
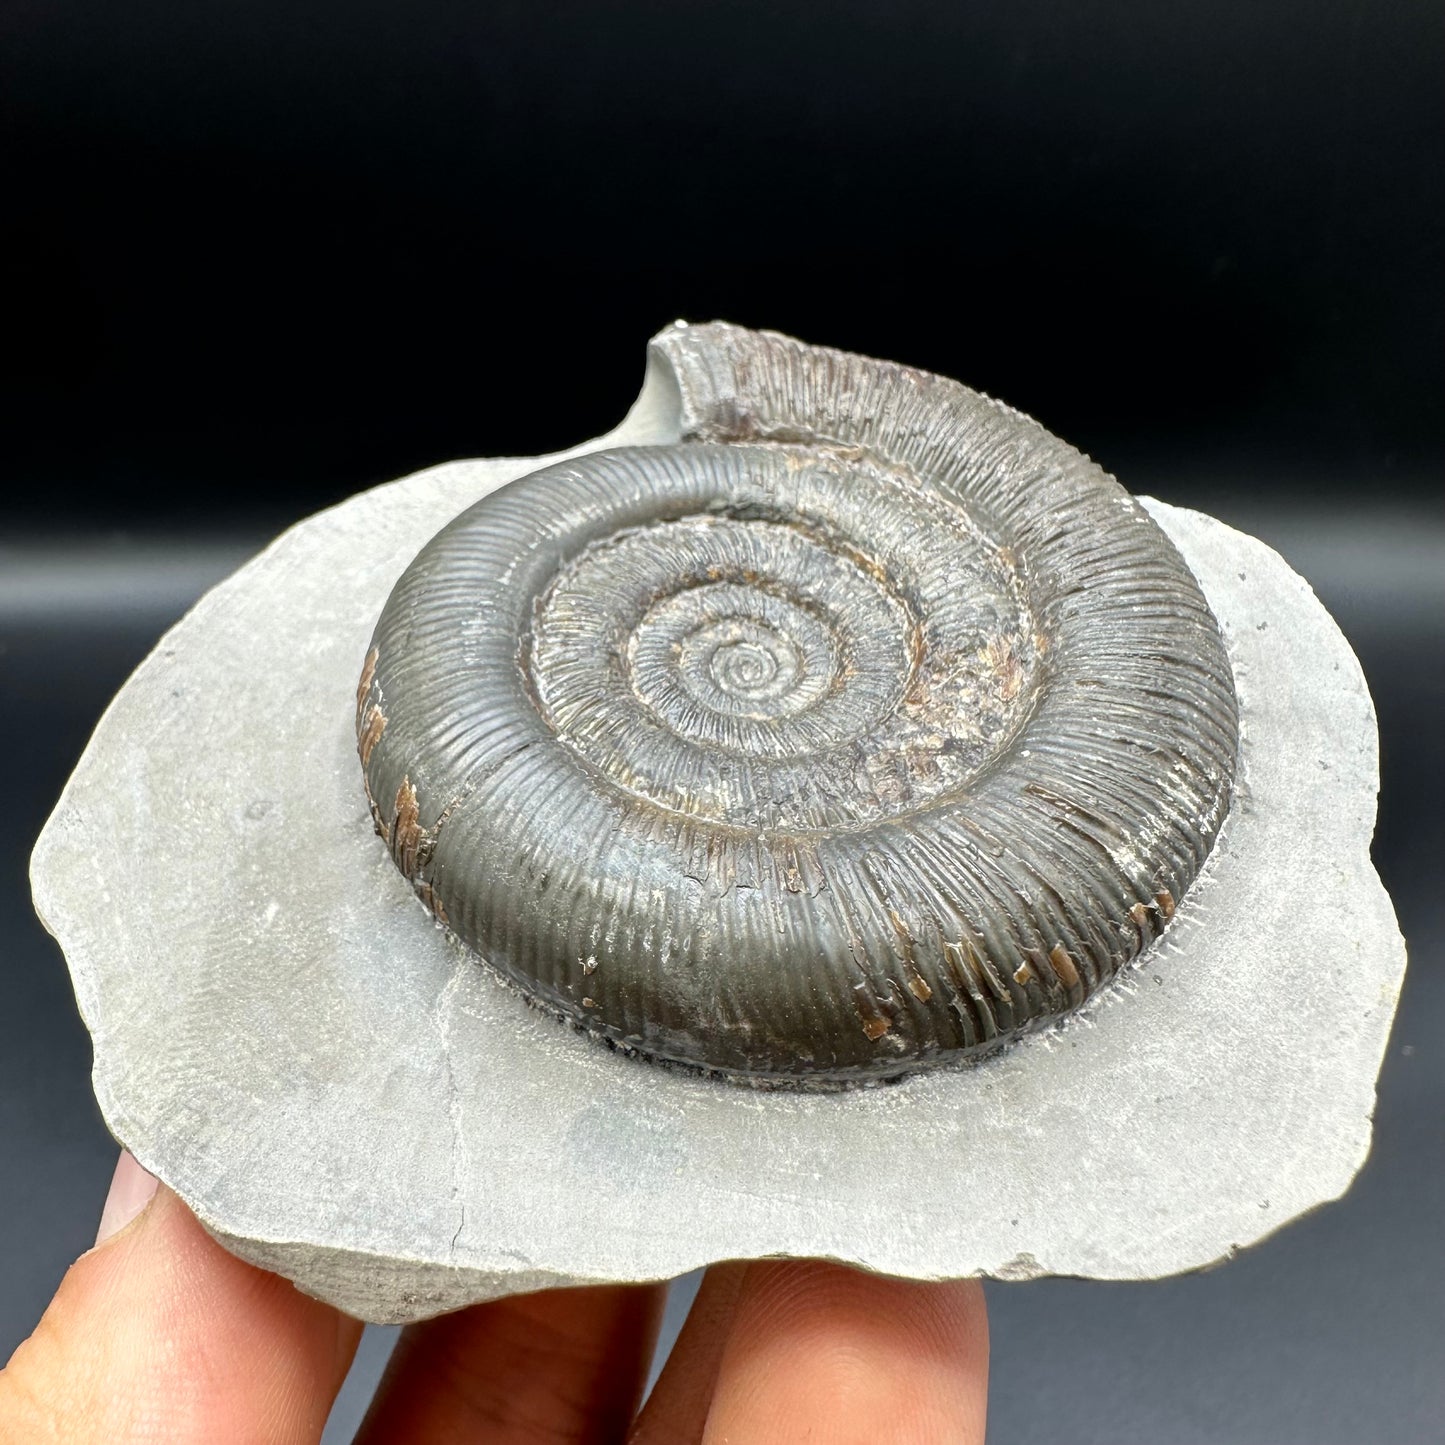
x=864 y=727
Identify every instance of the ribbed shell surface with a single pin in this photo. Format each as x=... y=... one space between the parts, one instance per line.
x=867 y=726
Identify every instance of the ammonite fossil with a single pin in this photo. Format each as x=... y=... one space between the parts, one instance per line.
x=865 y=727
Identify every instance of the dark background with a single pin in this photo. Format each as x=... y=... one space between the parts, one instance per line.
x=258 y=256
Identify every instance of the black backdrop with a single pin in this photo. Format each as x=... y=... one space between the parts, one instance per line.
x=256 y=256
x=261 y=255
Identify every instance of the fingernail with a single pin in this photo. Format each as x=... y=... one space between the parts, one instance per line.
x=131 y=1189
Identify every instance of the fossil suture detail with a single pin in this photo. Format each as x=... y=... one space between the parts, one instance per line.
x=863 y=728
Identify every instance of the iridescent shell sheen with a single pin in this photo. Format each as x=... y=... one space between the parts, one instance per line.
x=867 y=726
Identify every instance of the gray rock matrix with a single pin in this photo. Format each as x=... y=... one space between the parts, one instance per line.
x=287 y=1037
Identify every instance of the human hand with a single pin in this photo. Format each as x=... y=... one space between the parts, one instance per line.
x=158 y=1334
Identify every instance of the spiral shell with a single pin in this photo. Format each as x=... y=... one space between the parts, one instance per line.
x=863 y=728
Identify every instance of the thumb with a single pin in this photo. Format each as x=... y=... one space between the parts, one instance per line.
x=159 y=1334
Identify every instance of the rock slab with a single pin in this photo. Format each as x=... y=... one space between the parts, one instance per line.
x=343 y=1095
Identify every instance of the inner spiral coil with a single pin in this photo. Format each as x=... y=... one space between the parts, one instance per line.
x=795 y=673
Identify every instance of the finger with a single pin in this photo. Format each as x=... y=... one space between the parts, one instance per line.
x=820 y=1352
x=562 y=1366
x=159 y=1334
x=678 y=1405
